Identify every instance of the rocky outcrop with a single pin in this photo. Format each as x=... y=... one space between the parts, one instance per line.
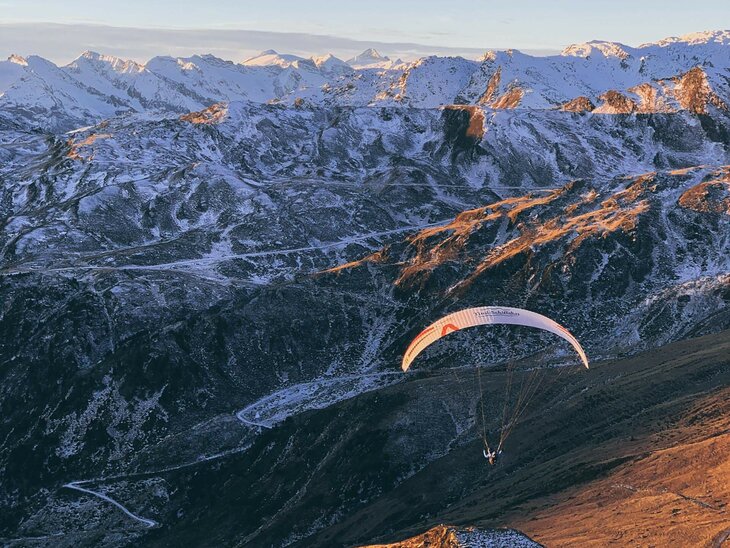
x=579 y=104
x=75 y=151
x=211 y=115
x=652 y=99
x=492 y=86
x=693 y=92
x=448 y=536
x=711 y=196
x=509 y=99
x=475 y=128
x=615 y=102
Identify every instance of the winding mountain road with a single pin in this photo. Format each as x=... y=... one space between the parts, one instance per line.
x=76 y=485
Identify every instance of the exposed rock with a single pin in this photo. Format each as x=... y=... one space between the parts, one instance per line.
x=711 y=196
x=447 y=536
x=652 y=99
x=212 y=115
x=509 y=99
x=694 y=93
x=75 y=147
x=475 y=129
x=615 y=102
x=579 y=104
x=492 y=86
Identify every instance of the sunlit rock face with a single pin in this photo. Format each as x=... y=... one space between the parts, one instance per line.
x=182 y=238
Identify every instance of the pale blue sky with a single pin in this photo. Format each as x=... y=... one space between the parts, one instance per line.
x=462 y=25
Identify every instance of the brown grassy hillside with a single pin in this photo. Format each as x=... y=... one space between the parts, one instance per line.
x=636 y=454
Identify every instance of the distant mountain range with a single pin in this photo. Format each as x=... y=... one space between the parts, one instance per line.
x=687 y=73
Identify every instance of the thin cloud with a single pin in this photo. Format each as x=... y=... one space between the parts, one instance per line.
x=62 y=43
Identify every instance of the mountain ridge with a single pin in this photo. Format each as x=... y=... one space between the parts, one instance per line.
x=620 y=79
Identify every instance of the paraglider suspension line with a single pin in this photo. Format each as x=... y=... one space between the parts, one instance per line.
x=484 y=420
x=510 y=376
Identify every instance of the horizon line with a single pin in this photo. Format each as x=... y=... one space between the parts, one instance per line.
x=234 y=44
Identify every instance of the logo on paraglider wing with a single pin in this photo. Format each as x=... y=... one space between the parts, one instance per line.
x=448 y=328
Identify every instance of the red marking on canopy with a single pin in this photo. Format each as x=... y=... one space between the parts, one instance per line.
x=422 y=334
x=448 y=327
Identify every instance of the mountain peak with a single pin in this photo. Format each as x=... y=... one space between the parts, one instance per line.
x=322 y=58
x=329 y=62
x=606 y=49
x=98 y=59
x=368 y=57
x=695 y=38
x=18 y=60
x=371 y=52
x=272 y=57
x=622 y=51
x=89 y=54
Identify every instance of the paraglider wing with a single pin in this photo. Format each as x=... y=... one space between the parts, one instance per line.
x=486 y=315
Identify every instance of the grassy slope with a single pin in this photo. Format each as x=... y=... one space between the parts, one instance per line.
x=621 y=422
x=636 y=456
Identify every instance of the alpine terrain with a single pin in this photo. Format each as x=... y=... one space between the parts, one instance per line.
x=210 y=272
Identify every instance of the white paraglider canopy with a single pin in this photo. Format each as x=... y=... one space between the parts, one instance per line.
x=487 y=315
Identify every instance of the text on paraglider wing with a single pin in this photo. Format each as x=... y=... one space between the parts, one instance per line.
x=496 y=312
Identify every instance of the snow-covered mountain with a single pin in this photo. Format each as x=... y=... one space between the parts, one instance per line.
x=371 y=59
x=688 y=73
x=684 y=73
x=272 y=58
x=188 y=238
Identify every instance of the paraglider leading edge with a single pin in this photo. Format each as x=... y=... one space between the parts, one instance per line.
x=487 y=315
